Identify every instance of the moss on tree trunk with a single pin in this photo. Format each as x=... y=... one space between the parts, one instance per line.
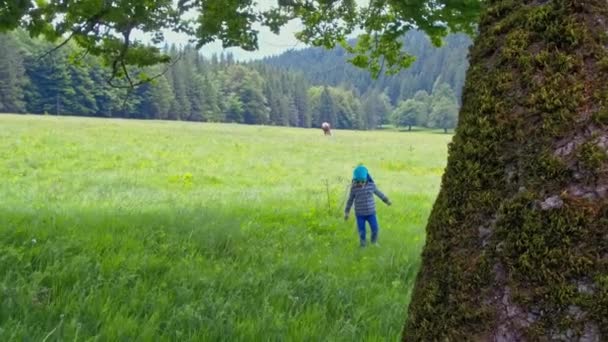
x=517 y=242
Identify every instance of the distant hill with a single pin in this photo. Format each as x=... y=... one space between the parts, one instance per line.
x=323 y=67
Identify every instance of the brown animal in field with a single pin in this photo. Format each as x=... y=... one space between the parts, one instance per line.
x=326 y=128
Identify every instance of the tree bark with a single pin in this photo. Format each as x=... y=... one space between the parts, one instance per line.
x=517 y=241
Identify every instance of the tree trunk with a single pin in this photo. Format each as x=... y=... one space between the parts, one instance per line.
x=445 y=130
x=517 y=241
x=409 y=128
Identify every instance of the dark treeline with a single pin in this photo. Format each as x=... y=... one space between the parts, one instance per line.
x=219 y=89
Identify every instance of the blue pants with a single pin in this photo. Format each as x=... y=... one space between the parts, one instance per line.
x=373 y=224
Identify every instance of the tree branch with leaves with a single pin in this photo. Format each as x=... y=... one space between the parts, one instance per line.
x=106 y=28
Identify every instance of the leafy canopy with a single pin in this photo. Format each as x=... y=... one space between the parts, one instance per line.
x=107 y=28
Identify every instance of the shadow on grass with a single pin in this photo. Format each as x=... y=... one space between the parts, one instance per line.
x=211 y=230
x=441 y=132
x=137 y=274
x=414 y=129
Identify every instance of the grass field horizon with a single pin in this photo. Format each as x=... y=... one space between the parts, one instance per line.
x=162 y=230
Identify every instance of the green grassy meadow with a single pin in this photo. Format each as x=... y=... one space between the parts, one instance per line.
x=120 y=230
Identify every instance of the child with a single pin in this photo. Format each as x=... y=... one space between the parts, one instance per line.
x=362 y=194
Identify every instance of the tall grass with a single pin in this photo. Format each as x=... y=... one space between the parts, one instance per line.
x=132 y=230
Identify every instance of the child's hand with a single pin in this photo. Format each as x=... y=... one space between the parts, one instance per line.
x=389 y=203
x=345 y=217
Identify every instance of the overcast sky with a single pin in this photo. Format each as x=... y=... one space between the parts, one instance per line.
x=269 y=43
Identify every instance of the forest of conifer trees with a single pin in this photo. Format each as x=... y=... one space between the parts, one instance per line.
x=300 y=88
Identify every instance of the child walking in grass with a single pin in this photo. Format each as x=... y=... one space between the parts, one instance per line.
x=362 y=193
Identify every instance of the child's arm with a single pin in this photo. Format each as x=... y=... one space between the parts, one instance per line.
x=349 y=203
x=382 y=196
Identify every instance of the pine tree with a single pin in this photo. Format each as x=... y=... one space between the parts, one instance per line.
x=154 y=100
x=248 y=86
x=292 y=112
x=12 y=76
x=50 y=89
x=145 y=105
x=213 y=107
x=196 y=95
x=327 y=110
x=188 y=71
x=376 y=109
x=162 y=96
x=83 y=101
x=284 y=110
x=300 y=99
x=181 y=107
x=233 y=108
x=274 y=104
x=107 y=98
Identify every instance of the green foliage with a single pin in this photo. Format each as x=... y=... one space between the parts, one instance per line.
x=339 y=107
x=106 y=28
x=444 y=114
x=50 y=87
x=247 y=84
x=438 y=110
x=108 y=234
x=376 y=109
x=372 y=56
x=409 y=113
x=383 y=23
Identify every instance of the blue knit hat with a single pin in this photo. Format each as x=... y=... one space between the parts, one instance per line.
x=360 y=173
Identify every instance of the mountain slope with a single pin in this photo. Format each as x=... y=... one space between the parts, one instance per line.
x=322 y=67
